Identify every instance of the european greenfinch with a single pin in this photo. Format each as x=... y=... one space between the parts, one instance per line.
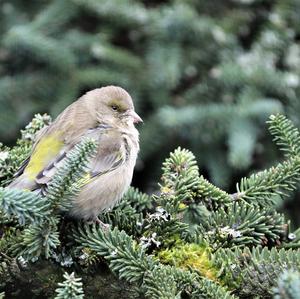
x=106 y=115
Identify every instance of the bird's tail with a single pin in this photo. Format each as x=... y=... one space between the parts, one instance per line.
x=24 y=183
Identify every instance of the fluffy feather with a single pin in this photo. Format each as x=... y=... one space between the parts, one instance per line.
x=106 y=115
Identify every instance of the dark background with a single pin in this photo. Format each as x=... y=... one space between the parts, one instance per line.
x=204 y=75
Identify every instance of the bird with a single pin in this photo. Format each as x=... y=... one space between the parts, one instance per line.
x=106 y=115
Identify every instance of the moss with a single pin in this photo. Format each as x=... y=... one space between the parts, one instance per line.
x=189 y=256
x=182 y=206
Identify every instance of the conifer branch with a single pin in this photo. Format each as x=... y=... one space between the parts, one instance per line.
x=131 y=263
x=286 y=135
x=71 y=288
x=37 y=240
x=27 y=207
x=255 y=271
x=11 y=159
x=182 y=184
x=69 y=177
x=119 y=249
x=129 y=214
x=179 y=180
x=288 y=285
x=241 y=224
x=259 y=188
x=211 y=195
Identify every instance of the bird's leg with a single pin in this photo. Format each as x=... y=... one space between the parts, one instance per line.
x=104 y=226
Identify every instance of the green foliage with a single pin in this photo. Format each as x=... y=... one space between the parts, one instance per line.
x=38 y=240
x=71 y=288
x=288 y=285
x=180 y=179
x=26 y=206
x=129 y=215
x=241 y=224
x=160 y=283
x=286 y=136
x=202 y=75
x=209 y=289
x=181 y=184
x=70 y=177
x=130 y=262
x=254 y=273
x=118 y=248
x=191 y=240
x=41 y=214
x=211 y=195
x=295 y=239
x=278 y=180
x=11 y=159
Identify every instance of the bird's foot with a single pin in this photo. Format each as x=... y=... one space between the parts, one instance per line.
x=105 y=227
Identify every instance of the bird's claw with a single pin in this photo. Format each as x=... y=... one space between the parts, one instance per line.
x=105 y=227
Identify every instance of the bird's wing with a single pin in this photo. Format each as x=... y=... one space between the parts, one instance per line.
x=111 y=152
x=46 y=174
x=24 y=164
x=52 y=143
x=20 y=170
x=48 y=149
x=109 y=156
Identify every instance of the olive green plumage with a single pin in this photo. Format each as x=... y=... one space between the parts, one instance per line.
x=106 y=115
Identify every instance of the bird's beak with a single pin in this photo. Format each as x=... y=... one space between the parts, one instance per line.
x=136 y=118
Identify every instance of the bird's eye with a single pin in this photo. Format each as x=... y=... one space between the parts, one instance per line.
x=114 y=107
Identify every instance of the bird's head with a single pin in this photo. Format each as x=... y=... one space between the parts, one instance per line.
x=113 y=106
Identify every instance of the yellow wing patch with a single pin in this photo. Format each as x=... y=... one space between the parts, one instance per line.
x=45 y=151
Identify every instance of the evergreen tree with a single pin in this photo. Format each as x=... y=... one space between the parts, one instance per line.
x=215 y=70
x=190 y=240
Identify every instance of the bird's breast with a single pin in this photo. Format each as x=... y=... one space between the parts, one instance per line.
x=103 y=192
